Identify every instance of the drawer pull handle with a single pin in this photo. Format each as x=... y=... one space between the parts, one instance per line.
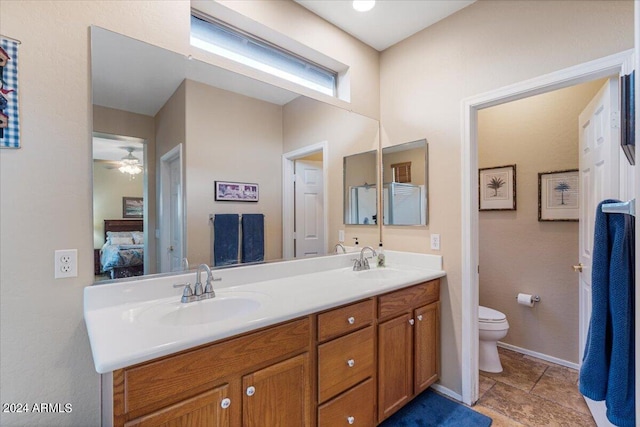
x=351 y=320
x=351 y=363
x=420 y=317
x=351 y=420
x=411 y=321
x=251 y=391
x=226 y=402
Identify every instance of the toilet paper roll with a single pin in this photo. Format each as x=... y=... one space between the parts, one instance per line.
x=526 y=299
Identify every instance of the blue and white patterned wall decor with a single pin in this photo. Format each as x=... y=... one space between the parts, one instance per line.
x=9 y=112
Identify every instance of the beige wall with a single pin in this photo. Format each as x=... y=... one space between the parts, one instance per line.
x=518 y=253
x=45 y=354
x=485 y=46
x=231 y=138
x=123 y=123
x=306 y=122
x=415 y=157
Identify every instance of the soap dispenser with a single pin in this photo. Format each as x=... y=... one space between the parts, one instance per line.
x=381 y=257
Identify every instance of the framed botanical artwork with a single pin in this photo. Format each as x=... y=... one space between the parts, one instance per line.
x=132 y=207
x=558 y=196
x=497 y=188
x=236 y=191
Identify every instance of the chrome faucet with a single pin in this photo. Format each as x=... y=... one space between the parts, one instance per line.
x=363 y=262
x=339 y=245
x=198 y=293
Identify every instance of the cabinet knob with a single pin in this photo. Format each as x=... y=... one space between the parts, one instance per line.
x=251 y=390
x=226 y=402
x=420 y=317
x=351 y=320
x=351 y=363
x=351 y=420
x=411 y=321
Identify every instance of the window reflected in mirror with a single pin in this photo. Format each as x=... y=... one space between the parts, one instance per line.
x=360 y=189
x=404 y=190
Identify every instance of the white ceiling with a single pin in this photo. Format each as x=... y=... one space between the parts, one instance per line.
x=389 y=22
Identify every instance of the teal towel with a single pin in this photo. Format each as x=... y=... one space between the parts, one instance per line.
x=608 y=368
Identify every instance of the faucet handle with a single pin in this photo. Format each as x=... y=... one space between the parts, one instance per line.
x=357 y=265
x=187 y=294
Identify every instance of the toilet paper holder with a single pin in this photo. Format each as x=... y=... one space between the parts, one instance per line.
x=535 y=298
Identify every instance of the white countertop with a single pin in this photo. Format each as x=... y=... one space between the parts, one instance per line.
x=120 y=337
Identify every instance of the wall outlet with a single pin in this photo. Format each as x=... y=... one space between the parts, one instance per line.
x=66 y=263
x=341 y=236
x=435 y=242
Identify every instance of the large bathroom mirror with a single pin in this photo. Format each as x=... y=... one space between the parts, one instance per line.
x=360 y=188
x=179 y=142
x=405 y=186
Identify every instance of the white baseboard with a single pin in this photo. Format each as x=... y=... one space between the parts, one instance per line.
x=447 y=392
x=540 y=356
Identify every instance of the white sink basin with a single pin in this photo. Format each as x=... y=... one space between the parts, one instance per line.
x=223 y=307
x=384 y=273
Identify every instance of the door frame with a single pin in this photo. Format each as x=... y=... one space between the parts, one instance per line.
x=288 y=205
x=171 y=155
x=581 y=73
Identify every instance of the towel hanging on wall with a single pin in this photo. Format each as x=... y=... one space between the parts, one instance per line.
x=225 y=239
x=252 y=237
x=608 y=369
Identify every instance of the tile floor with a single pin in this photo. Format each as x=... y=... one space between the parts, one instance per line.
x=532 y=392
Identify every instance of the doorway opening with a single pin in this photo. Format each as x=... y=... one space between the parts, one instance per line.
x=305 y=201
x=601 y=68
x=171 y=231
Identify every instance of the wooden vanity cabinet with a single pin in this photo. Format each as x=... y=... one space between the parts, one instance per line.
x=408 y=344
x=346 y=366
x=253 y=379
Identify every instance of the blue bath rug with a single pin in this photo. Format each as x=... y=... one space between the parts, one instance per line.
x=429 y=409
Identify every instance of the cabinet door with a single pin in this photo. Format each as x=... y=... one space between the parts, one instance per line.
x=207 y=409
x=427 y=330
x=278 y=395
x=395 y=367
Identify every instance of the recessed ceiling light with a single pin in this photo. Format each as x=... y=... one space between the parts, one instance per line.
x=363 y=5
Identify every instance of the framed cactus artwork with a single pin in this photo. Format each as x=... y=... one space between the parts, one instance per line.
x=558 y=196
x=497 y=188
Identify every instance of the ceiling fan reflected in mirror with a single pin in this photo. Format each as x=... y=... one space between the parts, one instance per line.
x=130 y=164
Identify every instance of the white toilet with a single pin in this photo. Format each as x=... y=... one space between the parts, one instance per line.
x=492 y=327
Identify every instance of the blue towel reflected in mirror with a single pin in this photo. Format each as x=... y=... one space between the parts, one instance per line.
x=252 y=238
x=226 y=239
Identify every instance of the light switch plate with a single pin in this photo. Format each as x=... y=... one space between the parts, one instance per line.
x=341 y=236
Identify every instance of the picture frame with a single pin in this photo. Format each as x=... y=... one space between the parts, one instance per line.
x=497 y=188
x=229 y=191
x=132 y=207
x=559 y=195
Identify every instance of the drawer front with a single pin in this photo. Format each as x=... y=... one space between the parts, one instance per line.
x=345 y=319
x=355 y=407
x=408 y=298
x=156 y=384
x=344 y=362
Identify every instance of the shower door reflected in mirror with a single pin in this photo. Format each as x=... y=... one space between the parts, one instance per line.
x=404 y=190
x=360 y=189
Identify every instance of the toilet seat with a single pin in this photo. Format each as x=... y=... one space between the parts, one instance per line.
x=489 y=315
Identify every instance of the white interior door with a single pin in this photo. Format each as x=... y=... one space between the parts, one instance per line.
x=309 y=208
x=171 y=213
x=599 y=180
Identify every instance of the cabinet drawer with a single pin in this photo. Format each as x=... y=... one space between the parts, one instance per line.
x=405 y=299
x=345 y=319
x=354 y=407
x=344 y=362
